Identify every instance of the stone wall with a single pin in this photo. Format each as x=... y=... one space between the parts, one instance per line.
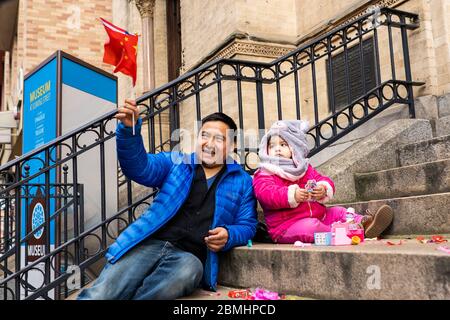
x=206 y=25
x=254 y=37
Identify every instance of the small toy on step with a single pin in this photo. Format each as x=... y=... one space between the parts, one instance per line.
x=340 y=231
x=356 y=240
x=355 y=229
x=301 y=244
x=346 y=233
x=249 y=243
x=322 y=238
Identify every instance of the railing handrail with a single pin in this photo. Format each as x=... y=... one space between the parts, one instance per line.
x=336 y=30
x=57 y=140
x=204 y=67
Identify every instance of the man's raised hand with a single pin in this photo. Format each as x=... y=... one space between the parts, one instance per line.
x=125 y=113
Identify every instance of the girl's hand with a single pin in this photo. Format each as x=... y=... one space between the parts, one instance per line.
x=319 y=192
x=301 y=195
x=125 y=114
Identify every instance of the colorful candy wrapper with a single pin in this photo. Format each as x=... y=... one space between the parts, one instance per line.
x=444 y=249
x=261 y=294
x=239 y=294
x=438 y=239
x=421 y=239
x=434 y=239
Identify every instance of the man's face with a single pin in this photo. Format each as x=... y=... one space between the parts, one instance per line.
x=213 y=144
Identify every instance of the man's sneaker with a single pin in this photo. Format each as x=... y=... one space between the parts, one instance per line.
x=375 y=223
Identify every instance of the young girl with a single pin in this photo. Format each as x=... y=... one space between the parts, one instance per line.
x=291 y=212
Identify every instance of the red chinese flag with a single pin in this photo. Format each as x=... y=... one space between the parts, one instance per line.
x=121 y=50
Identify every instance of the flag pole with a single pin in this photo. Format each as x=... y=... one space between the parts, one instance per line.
x=133 y=94
x=133 y=125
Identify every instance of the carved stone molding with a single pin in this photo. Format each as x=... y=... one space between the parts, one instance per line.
x=145 y=7
x=379 y=4
x=348 y=16
x=273 y=50
x=248 y=48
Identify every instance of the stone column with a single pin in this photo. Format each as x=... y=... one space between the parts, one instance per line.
x=146 y=9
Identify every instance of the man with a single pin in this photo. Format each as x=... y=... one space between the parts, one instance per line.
x=205 y=205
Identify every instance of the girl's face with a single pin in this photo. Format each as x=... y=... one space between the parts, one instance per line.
x=279 y=148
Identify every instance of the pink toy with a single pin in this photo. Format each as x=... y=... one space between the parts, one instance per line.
x=310 y=185
x=322 y=238
x=355 y=229
x=342 y=233
x=339 y=232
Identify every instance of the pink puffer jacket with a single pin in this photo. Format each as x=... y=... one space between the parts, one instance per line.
x=277 y=198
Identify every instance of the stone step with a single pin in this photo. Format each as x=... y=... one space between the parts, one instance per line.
x=371 y=270
x=418 y=179
x=222 y=294
x=376 y=152
x=201 y=294
x=425 y=151
x=444 y=105
x=443 y=126
x=427 y=214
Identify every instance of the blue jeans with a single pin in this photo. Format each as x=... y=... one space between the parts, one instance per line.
x=154 y=269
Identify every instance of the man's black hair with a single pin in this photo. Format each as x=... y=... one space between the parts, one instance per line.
x=220 y=116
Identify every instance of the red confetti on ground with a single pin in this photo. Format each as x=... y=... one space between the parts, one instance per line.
x=390 y=243
x=421 y=239
x=438 y=239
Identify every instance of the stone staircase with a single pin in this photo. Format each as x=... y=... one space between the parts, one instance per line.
x=418 y=190
x=405 y=164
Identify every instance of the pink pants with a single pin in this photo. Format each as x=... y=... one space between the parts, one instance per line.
x=303 y=229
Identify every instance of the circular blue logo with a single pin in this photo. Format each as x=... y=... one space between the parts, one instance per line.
x=37 y=219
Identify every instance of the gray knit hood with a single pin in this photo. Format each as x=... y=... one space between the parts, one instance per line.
x=294 y=133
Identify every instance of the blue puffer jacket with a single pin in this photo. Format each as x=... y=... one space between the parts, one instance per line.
x=172 y=173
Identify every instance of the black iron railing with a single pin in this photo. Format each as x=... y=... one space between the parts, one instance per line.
x=254 y=93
